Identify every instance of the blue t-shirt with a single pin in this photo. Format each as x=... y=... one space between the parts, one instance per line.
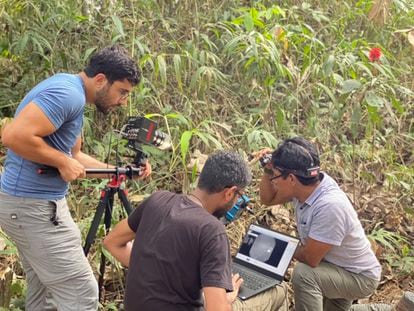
x=62 y=99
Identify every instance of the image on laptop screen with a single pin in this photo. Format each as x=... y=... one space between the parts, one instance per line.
x=267 y=249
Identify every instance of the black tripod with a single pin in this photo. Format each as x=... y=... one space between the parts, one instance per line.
x=105 y=204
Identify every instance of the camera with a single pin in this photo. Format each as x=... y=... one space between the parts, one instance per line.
x=264 y=160
x=236 y=210
x=143 y=130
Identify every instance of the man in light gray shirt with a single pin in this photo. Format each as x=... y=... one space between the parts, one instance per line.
x=336 y=264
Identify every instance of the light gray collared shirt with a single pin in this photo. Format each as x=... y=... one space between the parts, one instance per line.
x=329 y=217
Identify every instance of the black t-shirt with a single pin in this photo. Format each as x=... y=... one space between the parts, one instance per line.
x=179 y=248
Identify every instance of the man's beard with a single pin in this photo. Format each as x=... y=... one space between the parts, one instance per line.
x=220 y=212
x=101 y=100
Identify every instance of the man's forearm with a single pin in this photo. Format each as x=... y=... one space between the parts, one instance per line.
x=35 y=149
x=312 y=252
x=267 y=191
x=122 y=253
x=299 y=254
x=90 y=162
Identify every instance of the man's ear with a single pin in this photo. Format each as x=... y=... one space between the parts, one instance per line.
x=293 y=179
x=100 y=80
x=229 y=193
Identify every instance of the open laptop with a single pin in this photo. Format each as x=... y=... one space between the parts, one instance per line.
x=263 y=259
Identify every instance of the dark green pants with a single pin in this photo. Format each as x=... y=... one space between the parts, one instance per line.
x=328 y=287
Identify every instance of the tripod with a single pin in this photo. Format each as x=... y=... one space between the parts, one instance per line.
x=106 y=201
x=105 y=205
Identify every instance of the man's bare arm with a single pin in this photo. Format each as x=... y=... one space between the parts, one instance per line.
x=119 y=242
x=24 y=136
x=312 y=252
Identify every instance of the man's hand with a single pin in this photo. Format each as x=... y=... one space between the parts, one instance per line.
x=71 y=170
x=237 y=282
x=260 y=154
x=146 y=171
x=312 y=252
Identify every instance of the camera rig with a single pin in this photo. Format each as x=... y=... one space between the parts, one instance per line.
x=137 y=131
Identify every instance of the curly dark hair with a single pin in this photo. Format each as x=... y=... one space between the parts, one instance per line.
x=115 y=63
x=224 y=169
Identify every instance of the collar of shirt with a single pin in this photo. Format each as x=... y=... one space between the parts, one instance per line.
x=316 y=193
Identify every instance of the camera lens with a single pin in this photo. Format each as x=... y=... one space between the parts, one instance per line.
x=161 y=140
x=265 y=159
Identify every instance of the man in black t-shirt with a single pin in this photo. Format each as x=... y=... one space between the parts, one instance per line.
x=181 y=249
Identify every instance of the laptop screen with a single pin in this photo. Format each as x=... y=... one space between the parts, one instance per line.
x=267 y=249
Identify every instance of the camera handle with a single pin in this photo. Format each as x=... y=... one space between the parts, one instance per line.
x=129 y=171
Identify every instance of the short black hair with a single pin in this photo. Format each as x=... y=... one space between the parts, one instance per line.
x=296 y=156
x=115 y=63
x=224 y=169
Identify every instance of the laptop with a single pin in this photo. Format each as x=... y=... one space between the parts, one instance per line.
x=263 y=259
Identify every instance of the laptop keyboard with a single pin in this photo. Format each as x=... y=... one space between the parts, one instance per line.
x=251 y=280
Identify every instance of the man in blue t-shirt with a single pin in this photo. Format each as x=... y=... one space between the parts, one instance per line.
x=336 y=264
x=46 y=130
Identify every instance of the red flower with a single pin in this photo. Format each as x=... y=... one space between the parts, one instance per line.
x=374 y=54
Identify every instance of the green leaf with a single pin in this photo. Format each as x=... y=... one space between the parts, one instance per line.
x=355 y=120
x=203 y=137
x=374 y=100
x=328 y=65
x=7 y=252
x=194 y=172
x=350 y=85
x=405 y=250
x=177 y=69
x=280 y=116
x=248 y=22
x=88 y=53
x=328 y=91
x=162 y=68
x=185 y=143
x=118 y=25
x=397 y=105
x=373 y=114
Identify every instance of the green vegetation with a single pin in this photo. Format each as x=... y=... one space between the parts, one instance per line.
x=242 y=75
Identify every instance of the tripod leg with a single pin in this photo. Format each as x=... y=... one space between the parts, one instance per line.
x=90 y=237
x=124 y=200
x=107 y=223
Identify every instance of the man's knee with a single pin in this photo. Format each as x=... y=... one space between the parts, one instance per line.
x=89 y=296
x=77 y=293
x=302 y=272
x=90 y=288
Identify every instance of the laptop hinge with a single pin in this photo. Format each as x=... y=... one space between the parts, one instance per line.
x=258 y=269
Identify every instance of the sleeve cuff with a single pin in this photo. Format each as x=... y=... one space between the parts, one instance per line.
x=325 y=240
